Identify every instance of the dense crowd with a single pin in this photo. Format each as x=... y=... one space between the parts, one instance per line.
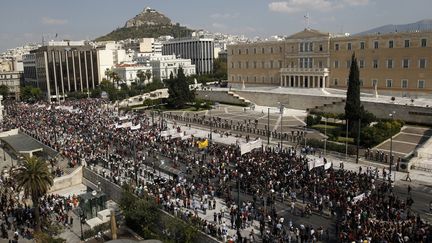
x=364 y=207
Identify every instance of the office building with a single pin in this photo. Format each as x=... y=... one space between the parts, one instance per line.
x=62 y=67
x=199 y=50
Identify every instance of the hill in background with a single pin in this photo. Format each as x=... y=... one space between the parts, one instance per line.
x=422 y=25
x=147 y=24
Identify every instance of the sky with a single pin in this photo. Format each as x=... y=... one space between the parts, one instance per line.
x=24 y=21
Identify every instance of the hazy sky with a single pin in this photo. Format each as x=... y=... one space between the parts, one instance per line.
x=23 y=21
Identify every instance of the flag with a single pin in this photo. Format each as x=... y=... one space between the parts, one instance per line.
x=203 y=145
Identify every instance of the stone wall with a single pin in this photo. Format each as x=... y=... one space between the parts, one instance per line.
x=407 y=113
x=218 y=96
x=73 y=179
x=293 y=101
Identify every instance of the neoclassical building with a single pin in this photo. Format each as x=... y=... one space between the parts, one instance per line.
x=394 y=63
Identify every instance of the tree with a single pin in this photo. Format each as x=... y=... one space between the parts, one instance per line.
x=35 y=179
x=220 y=68
x=148 y=74
x=353 y=107
x=178 y=90
x=141 y=77
x=4 y=90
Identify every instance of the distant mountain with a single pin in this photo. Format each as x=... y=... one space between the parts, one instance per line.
x=149 y=23
x=422 y=25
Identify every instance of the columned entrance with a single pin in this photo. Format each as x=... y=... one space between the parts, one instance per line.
x=304 y=78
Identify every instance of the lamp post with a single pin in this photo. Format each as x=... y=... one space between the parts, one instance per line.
x=238 y=224
x=268 y=127
x=391 y=149
x=81 y=216
x=210 y=122
x=346 y=140
x=325 y=134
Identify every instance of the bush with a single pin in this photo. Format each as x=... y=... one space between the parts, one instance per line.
x=381 y=131
x=313 y=120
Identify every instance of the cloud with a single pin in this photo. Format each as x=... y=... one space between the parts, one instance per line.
x=356 y=2
x=224 y=15
x=293 y=6
x=218 y=26
x=52 y=21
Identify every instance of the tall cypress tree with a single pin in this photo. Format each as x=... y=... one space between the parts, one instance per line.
x=353 y=107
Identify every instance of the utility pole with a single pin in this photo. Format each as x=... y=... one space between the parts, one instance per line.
x=358 y=140
x=346 y=140
x=268 y=126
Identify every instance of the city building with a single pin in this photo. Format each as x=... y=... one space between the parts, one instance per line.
x=395 y=63
x=12 y=80
x=128 y=72
x=150 y=45
x=199 y=50
x=62 y=67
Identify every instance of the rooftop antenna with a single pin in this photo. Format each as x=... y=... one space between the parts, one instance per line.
x=307 y=20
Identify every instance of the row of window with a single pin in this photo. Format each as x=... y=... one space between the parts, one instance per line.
x=255 y=64
x=390 y=63
x=388 y=82
x=261 y=50
x=376 y=44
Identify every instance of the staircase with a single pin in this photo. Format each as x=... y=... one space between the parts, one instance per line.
x=247 y=102
x=329 y=107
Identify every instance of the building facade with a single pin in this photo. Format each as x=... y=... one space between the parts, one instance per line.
x=394 y=63
x=62 y=67
x=199 y=50
x=13 y=81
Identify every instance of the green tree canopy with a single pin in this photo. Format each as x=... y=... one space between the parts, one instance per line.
x=4 y=90
x=353 y=107
x=178 y=90
x=35 y=179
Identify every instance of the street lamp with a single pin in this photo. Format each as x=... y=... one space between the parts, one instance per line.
x=211 y=122
x=268 y=127
x=391 y=148
x=238 y=224
x=82 y=219
x=325 y=138
x=281 y=107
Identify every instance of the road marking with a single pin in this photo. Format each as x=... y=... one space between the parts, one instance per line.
x=415 y=134
x=184 y=112
x=277 y=123
x=398 y=141
x=300 y=120
x=226 y=110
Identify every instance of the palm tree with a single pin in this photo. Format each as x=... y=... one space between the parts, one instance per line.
x=35 y=179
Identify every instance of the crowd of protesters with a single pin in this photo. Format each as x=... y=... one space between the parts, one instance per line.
x=87 y=132
x=17 y=217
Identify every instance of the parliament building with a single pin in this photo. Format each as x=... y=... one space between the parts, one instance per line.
x=393 y=63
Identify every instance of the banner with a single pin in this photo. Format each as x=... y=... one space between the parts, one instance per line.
x=327 y=166
x=359 y=198
x=136 y=127
x=247 y=147
x=124 y=125
x=203 y=145
x=123 y=118
x=167 y=133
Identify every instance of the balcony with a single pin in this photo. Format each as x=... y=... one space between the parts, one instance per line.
x=305 y=70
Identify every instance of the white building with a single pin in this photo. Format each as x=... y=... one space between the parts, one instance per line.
x=164 y=65
x=110 y=55
x=128 y=72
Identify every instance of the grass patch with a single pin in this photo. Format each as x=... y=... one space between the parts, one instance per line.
x=345 y=139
